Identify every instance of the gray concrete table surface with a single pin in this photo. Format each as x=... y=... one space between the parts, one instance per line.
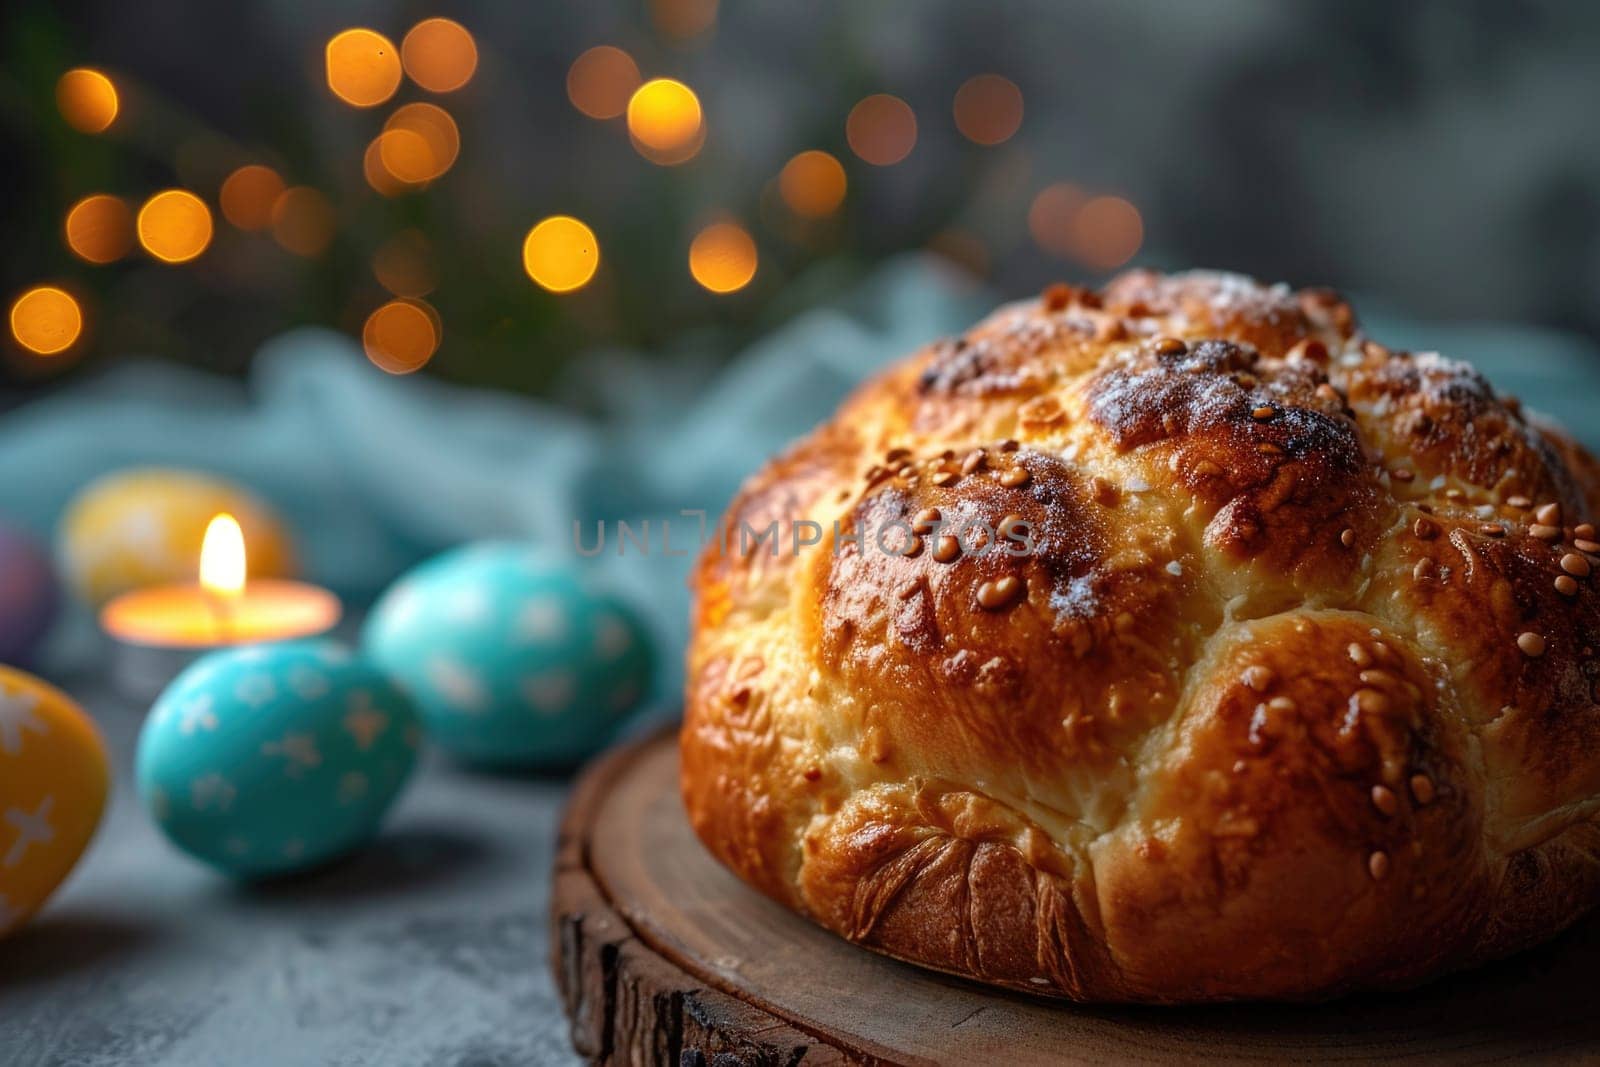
x=428 y=946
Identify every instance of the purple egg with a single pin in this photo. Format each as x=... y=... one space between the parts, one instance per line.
x=29 y=597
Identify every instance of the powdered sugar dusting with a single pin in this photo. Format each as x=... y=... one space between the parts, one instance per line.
x=1077 y=599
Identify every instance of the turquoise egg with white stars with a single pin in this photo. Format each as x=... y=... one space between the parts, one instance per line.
x=512 y=660
x=276 y=758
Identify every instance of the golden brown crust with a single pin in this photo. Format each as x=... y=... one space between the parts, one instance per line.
x=1262 y=663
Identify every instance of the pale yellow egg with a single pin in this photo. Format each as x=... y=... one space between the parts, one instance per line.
x=54 y=777
x=144 y=527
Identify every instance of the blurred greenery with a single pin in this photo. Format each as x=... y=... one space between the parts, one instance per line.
x=499 y=329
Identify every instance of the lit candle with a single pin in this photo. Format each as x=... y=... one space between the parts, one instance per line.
x=159 y=630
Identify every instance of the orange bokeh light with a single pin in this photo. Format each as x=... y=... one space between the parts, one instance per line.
x=963 y=248
x=363 y=67
x=378 y=175
x=419 y=143
x=812 y=184
x=303 y=221
x=248 y=194
x=87 y=99
x=988 y=109
x=881 y=129
x=683 y=18
x=404 y=265
x=46 y=320
x=401 y=336
x=99 y=228
x=174 y=226
x=665 y=121
x=439 y=55
x=1107 y=232
x=561 y=254
x=1051 y=217
x=723 y=257
x=601 y=81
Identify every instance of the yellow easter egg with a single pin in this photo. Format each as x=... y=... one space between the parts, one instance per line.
x=144 y=527
x=53 y=783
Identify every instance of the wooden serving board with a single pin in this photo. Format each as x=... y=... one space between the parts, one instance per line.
x=664 y=957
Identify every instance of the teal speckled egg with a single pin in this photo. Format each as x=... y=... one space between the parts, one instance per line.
x=266 y=760
x=511 y=660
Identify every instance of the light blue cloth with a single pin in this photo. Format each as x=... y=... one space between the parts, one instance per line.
x=374 y=473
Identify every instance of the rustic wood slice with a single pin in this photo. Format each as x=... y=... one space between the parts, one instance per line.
x=663 y=956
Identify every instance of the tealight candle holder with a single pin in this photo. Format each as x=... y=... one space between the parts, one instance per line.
x=158 y=631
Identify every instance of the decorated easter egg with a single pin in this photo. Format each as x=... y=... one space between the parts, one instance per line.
x=53 y=782
x=275 y=758
x=28 y=596
x=511 y=660
x=144 y=527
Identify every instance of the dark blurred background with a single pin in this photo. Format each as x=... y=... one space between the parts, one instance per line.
x=1441 y=156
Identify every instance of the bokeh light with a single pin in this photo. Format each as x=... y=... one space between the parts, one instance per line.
x=601 y=81
x=303 y=221
x=87 y=100
x=99 y=228
x=812 y=184
x=439 y=55
x=404 y=264
x=963 y=248
x=46 y=320
x=683 y=18
x=665 y=121
x=401 y=336
x=881 y=129
x=174 y=226
x=378 y=175
x=988 y=109
x=248 y=194
x=1051 y=217
x=561 y=254
x=406 y=157
x=723 y=257
x=419 y=143
x=1107 y=232
x=363 y=67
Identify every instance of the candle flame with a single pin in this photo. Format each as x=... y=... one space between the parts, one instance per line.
x=222 y=561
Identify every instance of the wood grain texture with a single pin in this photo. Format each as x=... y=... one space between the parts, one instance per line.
x=663 y=957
